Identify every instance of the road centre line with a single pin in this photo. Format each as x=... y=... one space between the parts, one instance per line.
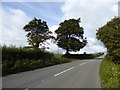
x=93 y=60
x=64 y=71
x=68 y=69
x=82 y=63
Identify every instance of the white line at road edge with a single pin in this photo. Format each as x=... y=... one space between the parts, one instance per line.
x=64 y=71
x=82 y=63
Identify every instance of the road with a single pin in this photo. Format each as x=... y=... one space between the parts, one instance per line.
x=77 y=74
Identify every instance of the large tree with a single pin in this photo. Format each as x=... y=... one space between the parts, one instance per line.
x=38 y=32
x=70 y=35
x=109 y=34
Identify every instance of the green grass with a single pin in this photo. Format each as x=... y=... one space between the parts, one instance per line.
x=109 y=74
x=58 y=55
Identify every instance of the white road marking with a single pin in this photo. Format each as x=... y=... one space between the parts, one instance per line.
x=69 y=69
x=26 y=88
x=43 y=80
x=82 y=63
x=64 y=71
x=91 y=60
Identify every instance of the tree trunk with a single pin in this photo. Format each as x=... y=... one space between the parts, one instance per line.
x=67 y=51
x=37 y=45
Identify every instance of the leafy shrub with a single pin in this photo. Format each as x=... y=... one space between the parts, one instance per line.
x=13 y=53
x=116 y=56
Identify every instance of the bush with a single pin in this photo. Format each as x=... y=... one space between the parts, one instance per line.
x=13 y=53
x=116 y=56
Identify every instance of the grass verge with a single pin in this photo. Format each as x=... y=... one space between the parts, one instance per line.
x=58 y=55
x=109 y=74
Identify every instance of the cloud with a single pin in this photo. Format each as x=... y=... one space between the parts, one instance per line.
x=13 y=21
x=52 y=45
x=94 y=14
x=52 y=29
x=115 y=9
x=33 y=1
x=0 y=25
x=93 y=46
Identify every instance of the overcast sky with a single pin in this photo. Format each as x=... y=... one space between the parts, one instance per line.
x=93 y=13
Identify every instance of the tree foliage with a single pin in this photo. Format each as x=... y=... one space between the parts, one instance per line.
x=70 y=35
x=38 y=32
x=109 y=34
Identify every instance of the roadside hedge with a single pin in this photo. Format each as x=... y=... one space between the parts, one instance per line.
x=82 y=56
x=14 y=53
x=15 y=60
x=116 y=56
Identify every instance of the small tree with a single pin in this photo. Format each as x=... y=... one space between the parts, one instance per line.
x=70 y=35
x=38 y=32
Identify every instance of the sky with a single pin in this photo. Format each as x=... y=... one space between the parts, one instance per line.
x=94 y=14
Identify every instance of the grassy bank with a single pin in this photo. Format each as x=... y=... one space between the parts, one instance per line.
x=109 y=74
x=58 y=55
